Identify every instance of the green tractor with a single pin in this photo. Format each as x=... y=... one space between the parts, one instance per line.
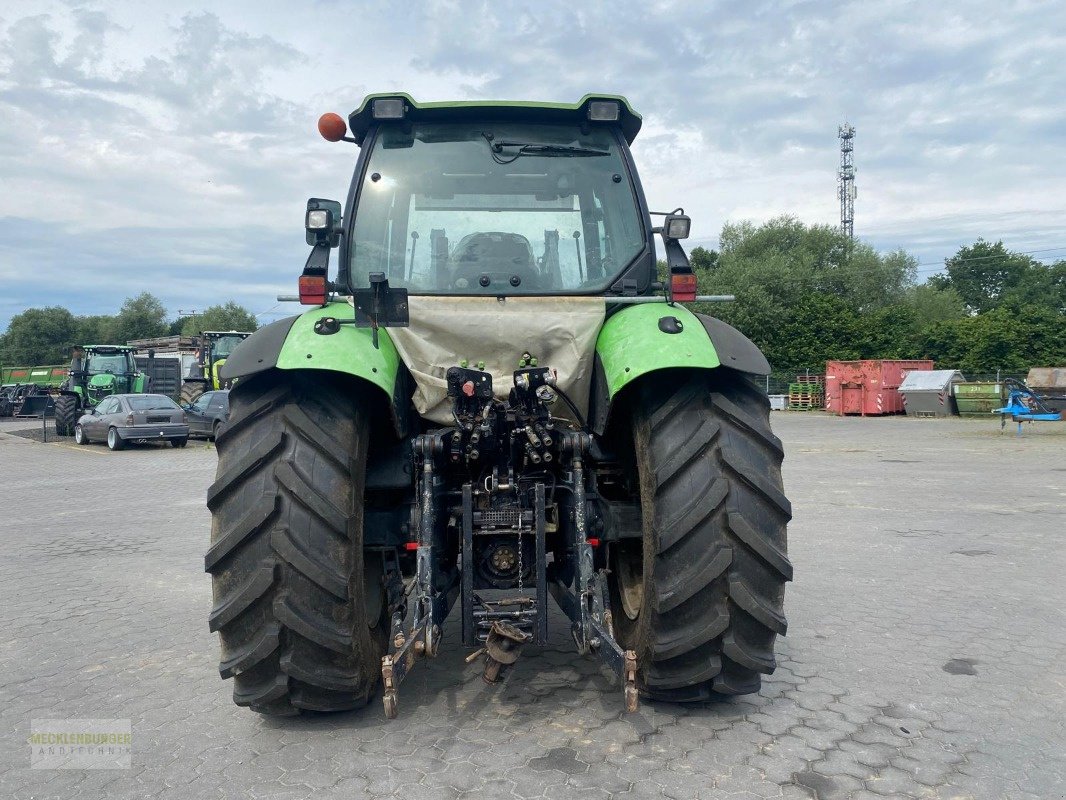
x=96 y=371
x=495 y=397
x=214 y=348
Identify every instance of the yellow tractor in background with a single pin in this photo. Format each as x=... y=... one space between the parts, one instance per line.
x=213 y=349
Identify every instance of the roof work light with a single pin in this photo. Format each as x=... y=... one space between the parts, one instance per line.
x=389 y=108
x=604 y=110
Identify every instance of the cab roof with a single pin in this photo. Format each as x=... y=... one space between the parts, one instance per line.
x=360 y=120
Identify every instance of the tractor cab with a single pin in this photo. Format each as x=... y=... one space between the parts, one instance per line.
x=213 y=350
x=107 y=371
x=492 y=199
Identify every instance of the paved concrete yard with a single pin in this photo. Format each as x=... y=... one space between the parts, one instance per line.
x=926 y=654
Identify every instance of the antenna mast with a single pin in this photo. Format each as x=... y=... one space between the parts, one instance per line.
x=846 y=180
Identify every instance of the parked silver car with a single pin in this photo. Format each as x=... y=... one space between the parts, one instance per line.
x=123 y=418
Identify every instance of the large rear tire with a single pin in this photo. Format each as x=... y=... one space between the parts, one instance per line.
x=66 y=414
x=302 y=621
x=191 y=391
x=700 y=598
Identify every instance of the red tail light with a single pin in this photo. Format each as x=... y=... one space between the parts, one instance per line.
x=683 y=286
x=130 y=420
x=313 y=290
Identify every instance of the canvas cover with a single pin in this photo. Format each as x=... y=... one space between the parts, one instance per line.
x=560 y=332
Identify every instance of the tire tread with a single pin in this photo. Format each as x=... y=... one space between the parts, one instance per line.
x=285 y=546
x=711 y=486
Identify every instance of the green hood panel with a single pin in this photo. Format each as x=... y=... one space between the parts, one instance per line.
x=350 y=350
x=632 y=344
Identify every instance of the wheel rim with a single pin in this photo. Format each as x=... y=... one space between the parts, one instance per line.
x=111 y=438
x=78 y=434
x=629 y=575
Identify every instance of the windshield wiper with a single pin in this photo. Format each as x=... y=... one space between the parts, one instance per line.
x=537 y=149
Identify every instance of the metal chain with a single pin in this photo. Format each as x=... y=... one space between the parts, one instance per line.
x=521 y=586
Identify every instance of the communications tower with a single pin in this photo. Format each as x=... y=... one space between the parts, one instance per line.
x=846 y=180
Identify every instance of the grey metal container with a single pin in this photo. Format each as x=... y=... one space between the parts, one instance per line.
x=929 y=393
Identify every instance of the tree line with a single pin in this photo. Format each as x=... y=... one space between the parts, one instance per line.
x=46 y=335
x=807 y=294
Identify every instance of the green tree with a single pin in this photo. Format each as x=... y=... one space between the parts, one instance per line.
x=984 y=274
x=932 y=305
x=703 y=259
x=38 y=336
x=818 y=327
x=1003 y=339
x=228 y=317
x=95 y=329
x=1042 y=285
x=141 y=317
x=807 y=293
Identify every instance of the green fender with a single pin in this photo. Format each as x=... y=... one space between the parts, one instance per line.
x=632 y=344
x=292 y=343
x=641 y=339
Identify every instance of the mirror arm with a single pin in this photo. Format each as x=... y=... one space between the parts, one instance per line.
x=676 y=258
x=318 y=260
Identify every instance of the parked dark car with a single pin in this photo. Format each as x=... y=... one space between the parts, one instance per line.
x=208 y=413
x=124 y=418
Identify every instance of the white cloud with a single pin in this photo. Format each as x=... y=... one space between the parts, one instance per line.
x=171 y=147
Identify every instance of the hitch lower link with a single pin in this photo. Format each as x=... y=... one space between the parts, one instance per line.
x=589 y=607
x=587 y=604
x=431 y=604
x=422 y=642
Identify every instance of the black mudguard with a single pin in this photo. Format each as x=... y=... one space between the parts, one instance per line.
x=259 y=352
x=735 y=350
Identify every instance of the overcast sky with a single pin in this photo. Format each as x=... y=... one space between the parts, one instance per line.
x=170 y=147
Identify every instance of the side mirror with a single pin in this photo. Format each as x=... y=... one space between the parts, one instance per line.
x=322 y=222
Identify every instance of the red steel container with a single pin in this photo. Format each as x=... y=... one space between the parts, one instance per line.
x=867 y=387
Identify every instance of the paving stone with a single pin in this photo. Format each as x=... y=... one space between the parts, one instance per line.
x=870 y=699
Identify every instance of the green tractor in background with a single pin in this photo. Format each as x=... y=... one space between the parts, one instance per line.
x=493 y=398
x=96 y=371
x=214 y=348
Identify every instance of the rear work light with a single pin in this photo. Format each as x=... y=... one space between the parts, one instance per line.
x=677 y=226
x=604 y=111
x=683 y=287
x=318 y=220
x=313 y=290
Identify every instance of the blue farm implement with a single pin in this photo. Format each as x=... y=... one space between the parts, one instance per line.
x=1023 y=405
